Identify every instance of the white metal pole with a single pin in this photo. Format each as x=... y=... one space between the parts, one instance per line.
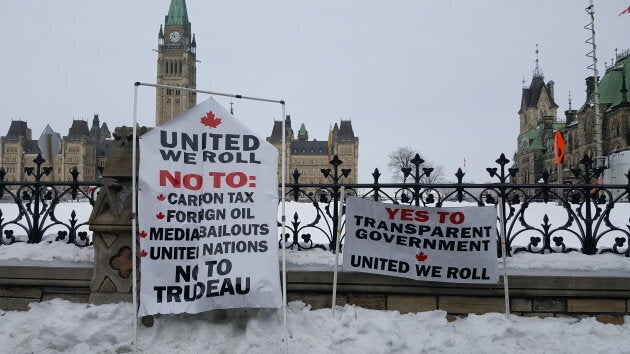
x=506 y=288
x=337 y=245
x=211 y=92
x=282 y=239
x=134 y=193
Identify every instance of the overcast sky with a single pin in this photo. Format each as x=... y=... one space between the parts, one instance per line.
x=443 y=77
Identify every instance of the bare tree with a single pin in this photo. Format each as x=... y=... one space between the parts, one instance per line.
x=401 y=159
x=437 y=174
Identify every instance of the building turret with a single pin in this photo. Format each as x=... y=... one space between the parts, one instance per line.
x=105 y=133
x=303 y=133
x=176 y=64
x=95 y=131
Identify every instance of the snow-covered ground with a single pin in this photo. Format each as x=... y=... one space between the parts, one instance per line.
x=61 y=326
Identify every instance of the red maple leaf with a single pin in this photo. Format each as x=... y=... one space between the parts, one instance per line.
x=143 y=234
x=160 y=215
x=143 y=253
x=210 y=120
x=421 y=257
x=161 y=197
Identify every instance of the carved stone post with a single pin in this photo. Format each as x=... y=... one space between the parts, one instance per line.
x=110 y=223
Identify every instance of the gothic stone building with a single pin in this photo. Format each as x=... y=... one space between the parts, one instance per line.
x=176 y=64
x=84 y=148
x=308 y=157
x=538 y=121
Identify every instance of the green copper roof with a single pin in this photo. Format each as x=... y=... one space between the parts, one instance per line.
x=302 y=130
x=177 y=13
x=535 y=137
x=540 y=138
x=610 y=84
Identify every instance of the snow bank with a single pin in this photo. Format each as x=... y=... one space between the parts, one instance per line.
x=61 y=326
x=47 y=251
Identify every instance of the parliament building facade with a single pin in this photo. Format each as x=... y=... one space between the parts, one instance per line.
x=539 y=121
x=86 y=148
x=309 y=157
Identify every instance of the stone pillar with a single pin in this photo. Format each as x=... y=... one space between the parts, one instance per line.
x=110 y=223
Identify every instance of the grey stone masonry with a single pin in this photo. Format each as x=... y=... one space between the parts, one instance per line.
x=111 y=223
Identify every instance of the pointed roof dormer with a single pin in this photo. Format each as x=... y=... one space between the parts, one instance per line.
x=302 y=133
x=96 y=123
x=19 y=129
x=276 y=132
x=95 y=131
x=78 y=130
x=345 y=130
x=177 y=13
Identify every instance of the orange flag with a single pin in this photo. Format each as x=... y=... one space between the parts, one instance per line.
x=558 y=147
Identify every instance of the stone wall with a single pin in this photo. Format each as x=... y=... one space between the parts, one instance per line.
x=22 y=284
x=607 y=298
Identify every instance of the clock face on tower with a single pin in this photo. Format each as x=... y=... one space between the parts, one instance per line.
x=174 y=37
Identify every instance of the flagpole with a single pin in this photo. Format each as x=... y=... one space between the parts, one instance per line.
x=134 y=286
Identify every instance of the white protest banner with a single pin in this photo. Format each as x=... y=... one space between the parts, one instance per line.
x=207 y=208
x=455 y=245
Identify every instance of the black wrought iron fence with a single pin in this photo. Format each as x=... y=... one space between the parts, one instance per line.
x=37 y=201
x=538 y=218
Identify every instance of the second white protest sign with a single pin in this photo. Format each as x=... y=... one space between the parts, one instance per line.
x=455 y=245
